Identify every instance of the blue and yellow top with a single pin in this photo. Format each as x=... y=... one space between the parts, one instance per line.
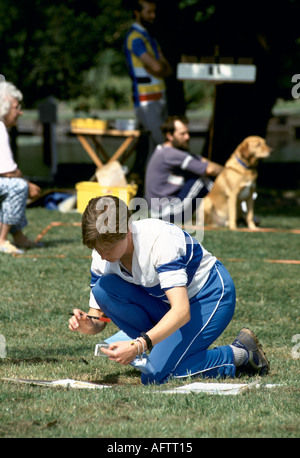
x=146 y=87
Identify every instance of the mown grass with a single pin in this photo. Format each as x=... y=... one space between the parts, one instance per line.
x=40 y=288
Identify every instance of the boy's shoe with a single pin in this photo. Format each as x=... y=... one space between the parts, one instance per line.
x=256 y=362
x=9 y=248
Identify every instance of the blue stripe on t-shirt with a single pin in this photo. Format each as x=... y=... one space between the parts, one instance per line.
x=190 y=261
x=156 y=291
x=94 y=278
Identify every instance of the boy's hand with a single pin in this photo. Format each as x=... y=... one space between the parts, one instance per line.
x=123 y=352
x=80 y=322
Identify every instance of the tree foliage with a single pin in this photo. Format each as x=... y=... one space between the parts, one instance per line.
x=73 y=48
x=47 y=46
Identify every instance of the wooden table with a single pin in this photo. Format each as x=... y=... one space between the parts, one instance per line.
x=97 y=152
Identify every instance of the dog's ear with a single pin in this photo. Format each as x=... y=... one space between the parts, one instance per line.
x=244 y=150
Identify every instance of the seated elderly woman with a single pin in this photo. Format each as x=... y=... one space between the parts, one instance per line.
x=14 y=188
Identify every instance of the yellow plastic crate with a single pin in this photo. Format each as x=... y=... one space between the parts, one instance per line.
x=86 y=190
x=89 y=123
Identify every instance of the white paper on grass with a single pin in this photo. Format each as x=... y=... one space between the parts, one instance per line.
x=217 y=388
x=68 y=383
x=197 y=387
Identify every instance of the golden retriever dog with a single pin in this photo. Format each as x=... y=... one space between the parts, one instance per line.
x=236 y=183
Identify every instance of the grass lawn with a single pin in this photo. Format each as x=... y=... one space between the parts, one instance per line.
x=40 y=288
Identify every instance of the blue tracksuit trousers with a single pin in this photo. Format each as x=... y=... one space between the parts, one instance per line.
x=185 y=352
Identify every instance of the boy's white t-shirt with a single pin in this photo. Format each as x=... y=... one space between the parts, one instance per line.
x=164 y=256
x=7 y=162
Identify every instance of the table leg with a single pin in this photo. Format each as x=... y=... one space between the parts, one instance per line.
x=121 y=149
x=129 y=151
x=90 y=151
x=100 y=148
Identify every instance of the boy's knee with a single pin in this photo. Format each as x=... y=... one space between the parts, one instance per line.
x=108 y=282
x=105 y=286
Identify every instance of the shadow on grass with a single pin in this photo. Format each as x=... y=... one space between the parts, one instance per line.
x=33 y=360
x=277 y=203
x=130 y=377
x=50 y=354
x=41 y=360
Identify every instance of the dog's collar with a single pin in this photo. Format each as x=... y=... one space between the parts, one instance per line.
x=242 y=163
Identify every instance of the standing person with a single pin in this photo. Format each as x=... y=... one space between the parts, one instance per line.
x=166 y=292
x=147 y=68
x=14 y=189
x=174 y=177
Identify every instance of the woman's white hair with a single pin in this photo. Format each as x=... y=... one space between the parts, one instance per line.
x=8 y=92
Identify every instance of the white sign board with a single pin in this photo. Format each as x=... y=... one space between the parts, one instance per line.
x=219 y=73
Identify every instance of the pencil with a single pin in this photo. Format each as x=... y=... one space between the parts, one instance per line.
x=100 y=318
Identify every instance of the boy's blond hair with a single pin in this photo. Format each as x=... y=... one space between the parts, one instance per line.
x=105 y=221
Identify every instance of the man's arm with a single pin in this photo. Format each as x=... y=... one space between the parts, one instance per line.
x=156 y=67
x=213 y=169
x=195 y=164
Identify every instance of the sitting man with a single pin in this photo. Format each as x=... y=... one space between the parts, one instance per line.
x=14 y=189
x=176 y=179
